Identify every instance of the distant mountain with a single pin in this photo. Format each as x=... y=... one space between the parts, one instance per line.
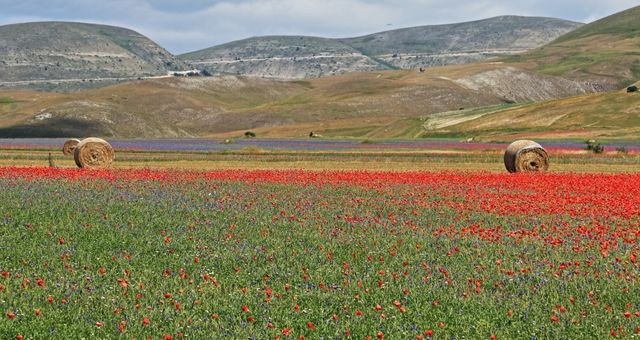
x=296 y=57
x=63 y=55
x=606 y=51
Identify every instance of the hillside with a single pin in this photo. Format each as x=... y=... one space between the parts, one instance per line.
x=606 y=51
x=163 y=108
x=609 y=115
x=63 y=55
x=297 y=57
x=348 y=105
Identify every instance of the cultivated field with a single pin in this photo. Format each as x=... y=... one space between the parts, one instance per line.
x=416 y=242
x=324 y=154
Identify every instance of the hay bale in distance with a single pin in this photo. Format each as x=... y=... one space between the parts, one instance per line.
x=69 y=146
x=93 y=153
x=526 y=156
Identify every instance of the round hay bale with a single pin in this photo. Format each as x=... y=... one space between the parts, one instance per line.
x=526 y=156
x=93 y=153
x=69 y=146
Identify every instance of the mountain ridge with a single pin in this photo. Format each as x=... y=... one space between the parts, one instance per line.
x=68 y=54
x=294 y=57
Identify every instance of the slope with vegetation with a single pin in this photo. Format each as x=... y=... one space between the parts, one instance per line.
x=606 y=52
x=347 y=105
x=64 y=55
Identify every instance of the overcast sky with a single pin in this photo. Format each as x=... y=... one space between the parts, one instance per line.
x=188 y=25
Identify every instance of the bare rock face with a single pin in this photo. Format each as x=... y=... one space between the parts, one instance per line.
x=516 y=85
x=297 y=57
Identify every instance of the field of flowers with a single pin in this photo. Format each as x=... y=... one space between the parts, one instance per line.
x=304 y=254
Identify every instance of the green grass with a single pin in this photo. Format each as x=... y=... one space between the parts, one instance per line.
x=625 y=24
x=7 y=100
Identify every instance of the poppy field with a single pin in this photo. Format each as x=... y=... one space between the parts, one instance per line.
x=266 y=254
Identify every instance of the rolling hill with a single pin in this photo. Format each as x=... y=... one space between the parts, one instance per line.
x=548 y=91
x=296 y=57
x=230 y=105
x=611 y=115
x=606 y=51
x=64 y=55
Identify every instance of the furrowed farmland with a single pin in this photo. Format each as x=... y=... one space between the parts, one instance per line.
x=140 y=253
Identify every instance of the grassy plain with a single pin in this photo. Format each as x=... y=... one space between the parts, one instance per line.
x=393 y=160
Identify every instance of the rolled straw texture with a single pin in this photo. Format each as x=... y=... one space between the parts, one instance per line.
x=69 y=146
x=526 y=156
x=93 y=153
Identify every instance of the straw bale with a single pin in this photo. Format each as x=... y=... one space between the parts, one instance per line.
x=93 y=153
x=69 y=146
x=526 y=156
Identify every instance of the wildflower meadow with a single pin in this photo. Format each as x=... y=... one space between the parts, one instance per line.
x=167 y=254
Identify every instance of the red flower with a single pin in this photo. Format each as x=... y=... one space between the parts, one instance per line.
x=311 y=325
x=145 y=321
x=286 y=331
x=380 y=335
x=11 y=315
x=428 y=333
x=245 y=309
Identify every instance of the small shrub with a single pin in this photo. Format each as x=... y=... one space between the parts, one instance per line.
x=250 y=134
x=622 y=150
x=594 y=146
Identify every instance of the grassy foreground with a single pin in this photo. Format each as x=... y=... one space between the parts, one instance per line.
x=290 y=254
